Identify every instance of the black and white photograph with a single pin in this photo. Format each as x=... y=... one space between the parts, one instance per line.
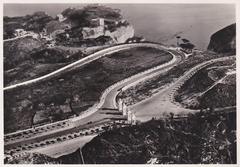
x=119 y=83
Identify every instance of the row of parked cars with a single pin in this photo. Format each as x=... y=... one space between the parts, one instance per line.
x=84 y=132
x=33 y=131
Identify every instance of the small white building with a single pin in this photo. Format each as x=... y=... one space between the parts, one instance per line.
x=134 y=120
x=131 y=118
x=33 y=35
x=120 y=105
x=20 y=32
x=124 y=110
x=61 y=18
x=99 y=21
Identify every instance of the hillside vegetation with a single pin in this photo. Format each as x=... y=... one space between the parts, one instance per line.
x=151 y=86
x=193 y=140
x=210 y=87
x=75 y=91
x=224 y=40
x=33 y=61
x=26 y=58
x=18 y=51
x=81 y=17
x=203 y=138
x=35 y=22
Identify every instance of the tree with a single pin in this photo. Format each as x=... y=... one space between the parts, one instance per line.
x=71 y=102
x=185 y=40
x=187 y=46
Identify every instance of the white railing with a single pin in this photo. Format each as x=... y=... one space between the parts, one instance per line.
x=98 y=105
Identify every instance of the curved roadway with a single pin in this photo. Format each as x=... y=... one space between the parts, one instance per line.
x=163 y=102
x=89 y=59
x=156 y=106
x=108 y=98
x=81 y=62
x=165 y=97
x=94 y=114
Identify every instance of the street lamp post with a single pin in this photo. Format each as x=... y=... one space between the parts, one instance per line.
x=81 y=155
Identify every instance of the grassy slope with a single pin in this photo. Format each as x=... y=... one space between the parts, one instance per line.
x=222 y=95
x=87 y=82
x=18 y=62
x=39 y=62
x=18 y=51
x=151 y=86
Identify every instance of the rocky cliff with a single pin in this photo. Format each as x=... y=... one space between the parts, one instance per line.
x=224 y=40
x=81 y=26
x=121 y=34
x=92 y=24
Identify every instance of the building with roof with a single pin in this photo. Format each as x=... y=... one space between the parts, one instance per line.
x=20 y=32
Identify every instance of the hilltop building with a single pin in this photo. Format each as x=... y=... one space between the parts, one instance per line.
x=22 y=32
x=97 y=29
x=98 y=22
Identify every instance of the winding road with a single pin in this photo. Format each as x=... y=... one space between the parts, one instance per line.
x=163 y=102
x=82 y=62
x=67 y=134
x=104 y=110
x=85 y=61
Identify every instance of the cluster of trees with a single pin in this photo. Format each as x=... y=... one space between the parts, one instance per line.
x=82 y=17
x=35 y=22
x=199 y=138
x=186 y=45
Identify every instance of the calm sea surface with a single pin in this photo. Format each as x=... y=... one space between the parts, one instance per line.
x=156 y=22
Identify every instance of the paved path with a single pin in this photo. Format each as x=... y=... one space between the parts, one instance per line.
x=110 y=90
x=108 y=98
x=80 y=63
x=163 y=102
x=97 y=112
x=64 y=148
x=15 y=38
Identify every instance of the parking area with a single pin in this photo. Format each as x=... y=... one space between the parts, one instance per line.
x=34 y=131
x=84 y=132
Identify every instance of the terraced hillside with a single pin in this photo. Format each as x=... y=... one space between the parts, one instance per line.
x=151 y=86
x=77 y=90
x=214 y=86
